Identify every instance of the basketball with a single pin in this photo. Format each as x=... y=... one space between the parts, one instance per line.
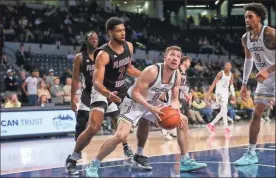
x=170 y=118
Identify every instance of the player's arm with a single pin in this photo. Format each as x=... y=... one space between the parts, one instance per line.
x=232 y=89
x=102 y=60
x=270 y=43
x=76 y=74
x=211 y=88
x=142 y=84
x=248 y=63
x=175 y=92
x=131 y=70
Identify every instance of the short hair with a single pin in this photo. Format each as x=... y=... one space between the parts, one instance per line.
x=174 y=47
x=112 y=22
x=259 y=9
x=185 y=58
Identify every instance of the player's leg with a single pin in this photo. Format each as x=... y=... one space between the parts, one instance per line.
x=211 y=125
x=261 y=101
x=114 y=113
x=82 y=118
x=186 y=163
x=142 y=135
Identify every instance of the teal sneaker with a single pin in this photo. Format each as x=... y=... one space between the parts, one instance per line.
x=249 y=157
x=189 y=164
x=92 y=169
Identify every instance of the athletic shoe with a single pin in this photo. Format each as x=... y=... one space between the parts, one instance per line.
x=211 y=128
x=71 y=166
x=189 y=164
x=249 y=157
x=141 y=162
x=92 y=169
x=128 y=152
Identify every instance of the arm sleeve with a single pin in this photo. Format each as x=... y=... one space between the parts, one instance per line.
x=247 y=68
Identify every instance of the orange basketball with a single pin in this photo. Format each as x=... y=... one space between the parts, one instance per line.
x=170 y=118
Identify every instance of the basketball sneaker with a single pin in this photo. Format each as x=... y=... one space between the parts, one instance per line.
x=128 y=152
x=71 y=166
x=189 y=164
x=248 y=158
x=211 y=128
x=166 y=134
x=141 y=162
x=227 y=132
x=92 y=170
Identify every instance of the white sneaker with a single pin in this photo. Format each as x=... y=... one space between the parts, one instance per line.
x=267 y=119
x=173 y=132
x=230 y=120
x=166 y=134
x=237 y=117
x=262 y=119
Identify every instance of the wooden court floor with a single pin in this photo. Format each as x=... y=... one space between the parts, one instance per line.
x=31 y=155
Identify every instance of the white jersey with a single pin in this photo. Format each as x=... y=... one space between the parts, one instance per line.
x=263 y=57
x=158 y=87
x=222 y=85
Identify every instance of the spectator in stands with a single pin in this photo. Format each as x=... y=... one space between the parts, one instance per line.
x=43 y=91
x=196 y=117
x=31 y=83
x=232 y=105
x=268 y=110
x=248 y=105
x=67 y=91
x=67 y=74
x=50 y=78
x=11 y=84
x=4 y=59
x=42 y=100
x=23 y=98
x=57 y=92
x=20 y=56
x=13 y=102
x=199 y=105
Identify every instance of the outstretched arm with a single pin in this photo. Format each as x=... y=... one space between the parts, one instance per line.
x=218 y=77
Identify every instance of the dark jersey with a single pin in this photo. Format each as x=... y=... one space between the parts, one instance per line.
x=87 y=69
x=115 y=70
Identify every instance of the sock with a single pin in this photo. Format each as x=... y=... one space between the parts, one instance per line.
x=96 y=161
x=186 y=156
x=125 y=145
x=139 y=151
x=75 y=156
x=252 y=147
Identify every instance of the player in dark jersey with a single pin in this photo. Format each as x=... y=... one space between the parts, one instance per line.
x=84 y=64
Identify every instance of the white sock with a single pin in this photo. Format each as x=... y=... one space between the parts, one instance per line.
x=252 y=147
x=75 y=156
x=140 y=151
x=186 y=156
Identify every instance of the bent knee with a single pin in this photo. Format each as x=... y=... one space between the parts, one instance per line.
x=120 y=136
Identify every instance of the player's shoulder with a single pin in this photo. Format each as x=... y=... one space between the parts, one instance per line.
x=151 y=70
x=79 y=57
x=269 y=31
x=244 y=36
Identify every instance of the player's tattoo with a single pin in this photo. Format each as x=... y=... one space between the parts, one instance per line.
x=270 y=38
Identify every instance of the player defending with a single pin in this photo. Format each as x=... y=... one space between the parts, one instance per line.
x=142 y=100
x=259 y=45
x=222 y=81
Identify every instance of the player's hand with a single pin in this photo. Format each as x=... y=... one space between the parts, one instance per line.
x=114 y=98
x=243 y=92
x=182 y=122
x=262 y=75
x=156 y=111
x=74 y=105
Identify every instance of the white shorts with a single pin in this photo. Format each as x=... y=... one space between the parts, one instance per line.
x=131 y=112
x=265 y=92
x=98 y=97
x=222 y=98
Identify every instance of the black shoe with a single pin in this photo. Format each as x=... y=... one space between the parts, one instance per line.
x=71 y=166
x=128 y=152
x=141 y=161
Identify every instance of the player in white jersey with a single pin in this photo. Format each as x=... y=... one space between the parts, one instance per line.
x=223 y=80
x=143 y=101
x=259 y=45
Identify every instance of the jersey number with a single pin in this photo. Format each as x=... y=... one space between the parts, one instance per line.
x=257 y=56
x=122 y=72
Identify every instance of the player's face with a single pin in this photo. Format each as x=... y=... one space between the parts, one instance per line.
x=251 y=20
x=228 y=66
x=118 y=34
x=93 y=40
x=187 y=64
x=172 y=60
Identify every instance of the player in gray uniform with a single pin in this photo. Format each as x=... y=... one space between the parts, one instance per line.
x=142 y=100
x=259 y=45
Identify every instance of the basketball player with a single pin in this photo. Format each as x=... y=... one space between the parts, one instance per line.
x=259 y=45
x=185 y=64
x=222 y=81
x=142 y=100
x=84 y=63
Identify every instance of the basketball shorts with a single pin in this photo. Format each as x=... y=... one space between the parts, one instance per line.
x=131 y=112
x=265 y=92
x=222 y=98
x=101 y=102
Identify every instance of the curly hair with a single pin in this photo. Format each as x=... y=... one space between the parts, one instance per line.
x=258 y=8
